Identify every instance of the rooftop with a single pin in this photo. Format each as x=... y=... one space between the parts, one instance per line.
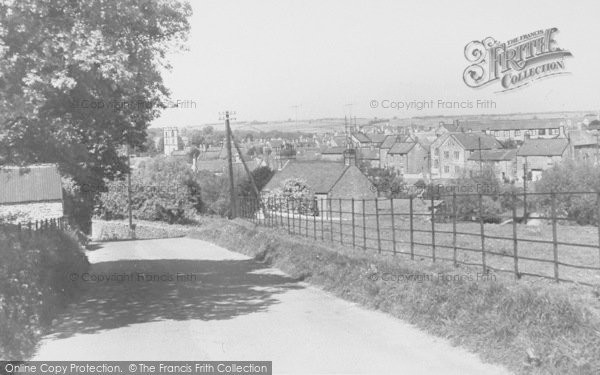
x=36 y=183
x=543 y=147
x=320 y=176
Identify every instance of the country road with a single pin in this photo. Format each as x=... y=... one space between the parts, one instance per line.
x=186 y=299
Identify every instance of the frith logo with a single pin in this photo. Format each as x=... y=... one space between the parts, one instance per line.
x=515 y=63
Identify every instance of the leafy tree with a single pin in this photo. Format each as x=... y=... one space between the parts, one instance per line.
x=564 y=179
x=164 y=189
x=261 y=176
x=79 y=79
x=295 y=195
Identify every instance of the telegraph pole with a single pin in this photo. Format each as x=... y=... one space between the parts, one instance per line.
x=232 y=204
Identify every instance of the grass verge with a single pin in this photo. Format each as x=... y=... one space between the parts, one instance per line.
x=529 y=329
x=34 y=285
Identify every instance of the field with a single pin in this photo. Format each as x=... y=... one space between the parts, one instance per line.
x=530 y=255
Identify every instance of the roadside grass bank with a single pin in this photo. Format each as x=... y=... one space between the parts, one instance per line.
x=34 y=285
x=530 y=329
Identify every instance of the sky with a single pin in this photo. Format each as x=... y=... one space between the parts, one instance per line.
x=273 y=60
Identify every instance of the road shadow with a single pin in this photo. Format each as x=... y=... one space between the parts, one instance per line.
x=140 y=291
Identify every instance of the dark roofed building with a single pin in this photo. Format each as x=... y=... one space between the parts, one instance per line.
x=502 y=161
x=537 y=155
x=327 y=180
x=333 y=153
x=543 y=147
x=30 y=193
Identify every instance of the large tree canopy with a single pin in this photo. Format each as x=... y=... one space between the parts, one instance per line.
x=81 y=78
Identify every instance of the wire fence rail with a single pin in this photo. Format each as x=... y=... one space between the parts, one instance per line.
x=526 y=239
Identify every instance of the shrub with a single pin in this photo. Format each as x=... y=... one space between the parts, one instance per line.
x=164 y=189
x=34 y=285
x=294 y=195
x=570 y=176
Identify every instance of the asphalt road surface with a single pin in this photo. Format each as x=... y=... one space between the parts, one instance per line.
x=186 y=299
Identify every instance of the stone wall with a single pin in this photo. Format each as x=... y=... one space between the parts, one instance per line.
x=31 y=211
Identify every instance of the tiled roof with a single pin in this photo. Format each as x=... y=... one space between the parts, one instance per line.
x=362 y=137
x=494 y=155
x=30 y=184
x=377 y=137
x=320 y=176
x=470 y=141
x=582 y=138
x=389 y=141
x=401 y=148
x=543 y=147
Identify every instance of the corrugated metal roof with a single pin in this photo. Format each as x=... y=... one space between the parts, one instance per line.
x=30 y=184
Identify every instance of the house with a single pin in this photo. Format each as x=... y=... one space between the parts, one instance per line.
x=537 y=155
x=584 y=146
x=329 y=181
x=360 y=140
x=408 y=158
x=30 y=193
x=519 y=130
x=333 y=154
x=369 y=156
x=502 y=161
x=450 y=152
x=171 y=140
x=385 y=147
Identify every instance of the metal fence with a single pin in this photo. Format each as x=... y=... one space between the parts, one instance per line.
x=522 y=234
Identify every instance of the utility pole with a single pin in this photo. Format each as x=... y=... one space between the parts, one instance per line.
x=232 y=202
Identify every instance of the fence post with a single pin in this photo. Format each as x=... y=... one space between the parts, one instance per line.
x=515 y=240
x=330 y=219
x=393 y=225
x=432 y=229
x=364 y=226
x=353 y=224
x=287 y=207
x=293 y=216
x=306 y=219
x=280 y=211
x=412 y=242
x=454 y=249
x=322 y=213
x=481 y=228
x=314 y=215
x=341 y=225
x=554 y=240
x=378 y=232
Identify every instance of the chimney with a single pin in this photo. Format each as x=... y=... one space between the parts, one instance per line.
x=349 y=157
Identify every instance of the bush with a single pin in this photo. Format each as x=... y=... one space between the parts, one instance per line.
x=34 y=285
x=294 y=195
x=567 y=177
x=164 y=189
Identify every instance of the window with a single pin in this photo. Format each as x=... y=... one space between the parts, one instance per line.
x=446 y=154
x=437 y=152
x=517 y=133
x=542 y=131
x=456 y=169
x=554 y=131
x=436 y=163
x=446 y=169
x=456 y=155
